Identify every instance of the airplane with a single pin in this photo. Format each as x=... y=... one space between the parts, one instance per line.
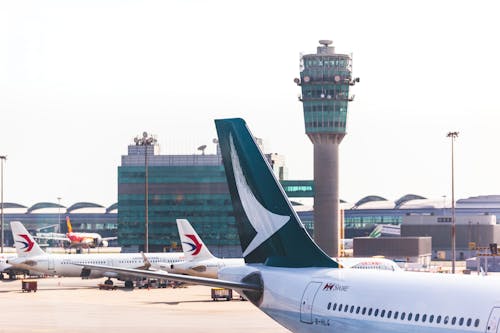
x=79 y=240
x=31 y=257
x=288 y=277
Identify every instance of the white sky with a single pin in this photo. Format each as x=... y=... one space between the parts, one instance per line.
x=80 y=79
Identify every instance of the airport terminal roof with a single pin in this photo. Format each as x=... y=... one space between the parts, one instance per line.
x=7 y=205
x=407 y=201
x=54 y=208
x=405 y=198
x=370 y=198
x=43 y=205
x=82 y=205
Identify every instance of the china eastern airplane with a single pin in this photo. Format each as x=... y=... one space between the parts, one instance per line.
x=80 y=239
x=287 y=276
x=31 y=257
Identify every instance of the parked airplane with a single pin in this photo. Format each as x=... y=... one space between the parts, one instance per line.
x=291 y=279
x=199 y=261
x=31 y=257
x=78 y=240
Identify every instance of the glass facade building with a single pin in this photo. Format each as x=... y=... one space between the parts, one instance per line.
x=191 y=187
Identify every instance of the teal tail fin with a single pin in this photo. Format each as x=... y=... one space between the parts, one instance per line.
x=270 y=230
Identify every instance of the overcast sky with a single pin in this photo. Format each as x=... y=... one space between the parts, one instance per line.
x=80 y=79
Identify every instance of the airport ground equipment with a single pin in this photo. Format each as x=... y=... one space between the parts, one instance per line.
x=29 y=285
x=222 y=293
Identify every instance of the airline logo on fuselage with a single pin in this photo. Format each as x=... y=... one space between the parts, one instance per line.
x=335 y=287
x=28 y=244
x=195 y=246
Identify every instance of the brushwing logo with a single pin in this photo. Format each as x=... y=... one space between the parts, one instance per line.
x=195 y=246
x=28 y=244
x=264 y=222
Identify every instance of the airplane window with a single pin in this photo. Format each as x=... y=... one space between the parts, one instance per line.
x=376 y=312
x=357 y=309
x=403 y=316
x=340 y=307
x=370 y=312
x=417 y=316
x=446 y=320
x=329 y=306
x=389 y=313
x=476 y=323
x=410 y=315
x=382 y=314
x=431 y=318
x=364 y=311
x=461 y=321
x=424 y=318
x=454 y=320
x=334 y=306
x=346 y=308
x=396 y=314
x=352 y=309
x=469 y=321
x=438 y=320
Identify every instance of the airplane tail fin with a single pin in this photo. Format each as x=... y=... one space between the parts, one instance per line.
x=25 y=244
x=270 y=230
x=192 y=245
x=68 y=224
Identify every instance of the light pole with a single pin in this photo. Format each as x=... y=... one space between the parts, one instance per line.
x=444 y=205
x=3 y=158
x=453 y=136
x=59 y=214
x=145 y=141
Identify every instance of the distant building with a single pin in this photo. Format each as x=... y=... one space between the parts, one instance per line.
x=472 y=231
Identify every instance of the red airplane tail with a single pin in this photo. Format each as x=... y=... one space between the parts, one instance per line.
x=68 y=224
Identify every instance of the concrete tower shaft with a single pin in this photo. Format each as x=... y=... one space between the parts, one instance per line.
x=325 y=79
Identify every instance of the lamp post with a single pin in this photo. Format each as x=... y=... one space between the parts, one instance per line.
x=453 y=136
x=3 y=158
x=59 y=214
x=145 y=141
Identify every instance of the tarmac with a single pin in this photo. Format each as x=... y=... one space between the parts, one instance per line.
x=75 y=305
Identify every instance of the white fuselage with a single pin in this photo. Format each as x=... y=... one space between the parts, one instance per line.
x=351 y=300
x=65 y=264
x=205 y=268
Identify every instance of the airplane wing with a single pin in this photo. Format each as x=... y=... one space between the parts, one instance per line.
x=177 y=277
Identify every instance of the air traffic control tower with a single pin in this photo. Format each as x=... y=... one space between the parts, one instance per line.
x=325 y=78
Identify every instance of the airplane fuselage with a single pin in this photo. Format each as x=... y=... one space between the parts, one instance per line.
x=205 y=268
x=66 y=264
x=341 y=300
